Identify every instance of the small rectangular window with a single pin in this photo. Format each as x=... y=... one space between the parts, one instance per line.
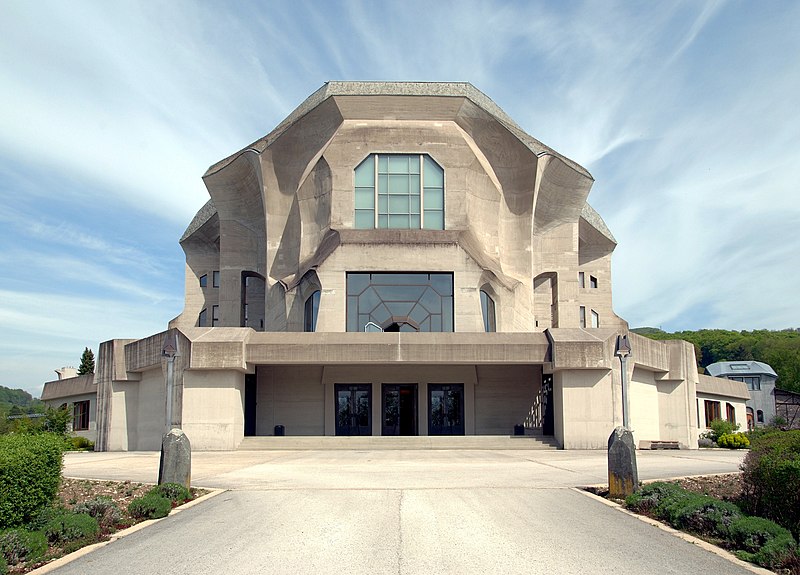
x=712 y=411
x=202 y=319
x=214 y=315
x=80 y=415
x=592 y=282
x=583 y=316
x=215 y=281
x=581 y=279
x=595 y=319
x=204 y=280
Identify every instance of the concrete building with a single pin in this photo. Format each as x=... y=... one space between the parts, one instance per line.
x=760 y=381
x=78 y=394
x=397 y=259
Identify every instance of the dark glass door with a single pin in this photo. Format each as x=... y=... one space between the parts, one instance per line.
x=250 y=388
x=353 y=409
x=446 y=409
x=399 y=409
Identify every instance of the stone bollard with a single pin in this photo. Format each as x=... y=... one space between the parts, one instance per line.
x=623 y=476
x=176 y=459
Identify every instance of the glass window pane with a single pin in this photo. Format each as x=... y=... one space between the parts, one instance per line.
x=365 y=173
x=413 y=184
x=434 y=199
x=434 y=220
x=398 y=204
x=434 y=175
x=414 y=204
x=383 y=204
x=413 y=222
x=383 y=164
x=383 y=184
x=365 y=198
x=398 y=222
x=398 y=164
x=357 y=283
x=365 y=219
x=398 y=184
x=383 y=221
x=413 y=164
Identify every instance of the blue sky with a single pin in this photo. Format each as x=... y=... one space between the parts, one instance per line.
x=686 y=113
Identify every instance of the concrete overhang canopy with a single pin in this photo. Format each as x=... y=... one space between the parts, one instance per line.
x=70 y=387
x=593 y=228
x=205 y=221
x=365 y=100
x=722 y=387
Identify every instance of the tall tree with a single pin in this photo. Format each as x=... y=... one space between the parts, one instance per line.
x=87 y=362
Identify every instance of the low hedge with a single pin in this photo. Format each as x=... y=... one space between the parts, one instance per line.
x=755 y=539
x=64 y=526
x=30 y=472
x=150 y=506
x=762 y=541
x=19 y=545
x=175 y=492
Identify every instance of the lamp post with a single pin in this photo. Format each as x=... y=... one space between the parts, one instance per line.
x=170 y=351
x=175 y=465
x=623 y=351
x=623 y=474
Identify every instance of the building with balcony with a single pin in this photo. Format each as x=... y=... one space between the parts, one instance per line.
x=396 y=259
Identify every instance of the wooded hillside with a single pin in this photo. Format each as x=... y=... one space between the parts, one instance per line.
x=780 y=349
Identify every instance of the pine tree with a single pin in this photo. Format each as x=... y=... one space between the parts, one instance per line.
x=87 y=362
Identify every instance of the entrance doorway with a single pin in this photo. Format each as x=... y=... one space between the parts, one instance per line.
x=446 y=409
x=399 y=409
x=250 y=383
x=353 y=409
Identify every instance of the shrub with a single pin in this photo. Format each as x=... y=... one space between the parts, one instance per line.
x=68 y=526
x=150 y=506
x=650 y=497
x=79 y=442
x=771 y=477
x=101 y=508
x=761 y=541
x=19 y=545
x=733 y=441
x=3 y=565
x=705 y=515
x=30 y=471
x=175 y=492
x=720 y=427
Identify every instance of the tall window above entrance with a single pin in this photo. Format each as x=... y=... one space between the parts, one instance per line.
x=408 y=190
x=400 y=301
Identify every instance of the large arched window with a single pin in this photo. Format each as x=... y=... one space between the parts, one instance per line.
x=487 y=309
x=408 y=190
x=311 y=312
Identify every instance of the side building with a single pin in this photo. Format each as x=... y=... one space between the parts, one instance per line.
x=397 y=259
x=760 y=380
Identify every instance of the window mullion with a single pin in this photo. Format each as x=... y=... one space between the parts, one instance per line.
x=421 y=192
x=375 y=193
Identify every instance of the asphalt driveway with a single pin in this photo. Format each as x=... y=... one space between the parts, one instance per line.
x=400 y=512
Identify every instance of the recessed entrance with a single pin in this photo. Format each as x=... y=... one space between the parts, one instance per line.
x=353 y=409
x=399 y=409
x=446 y=409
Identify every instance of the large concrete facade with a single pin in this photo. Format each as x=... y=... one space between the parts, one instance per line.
x=396 y=258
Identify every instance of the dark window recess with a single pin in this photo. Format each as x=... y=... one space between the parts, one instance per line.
x=592 y=282
x=712 y=411
x=80 y=415
x=215 y=279
x=202 y=319
x=311 y=311
x=204 y=280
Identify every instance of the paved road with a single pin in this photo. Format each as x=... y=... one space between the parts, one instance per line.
x=400 y=512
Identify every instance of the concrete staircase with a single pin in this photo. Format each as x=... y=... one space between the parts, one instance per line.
x=475 y=442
